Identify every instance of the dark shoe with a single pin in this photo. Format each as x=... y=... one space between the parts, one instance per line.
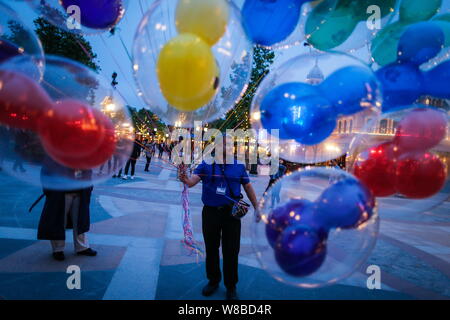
x=59 y=256
x=209 y=289
x=232 y=294
x=88 y=252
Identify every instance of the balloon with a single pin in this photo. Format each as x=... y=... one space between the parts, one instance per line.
x=298 y=242
x=421 y=130
x=218 y=74
x=420 y=43
x=376 y=169
x=89 y=158
x=294 y=212
x=97 y=14
x=16 y=39
x=207 y=19
x=411 y=12
x=310 y=108
x=79 y=131
x=418 y=10
x=310 y=120
x=436 y=81
x=269 y=22
x=81 y=16
x=71 y=128
x=402 y=85
x=187 y=72
x=420 y=176
x=349 y=88
x=345 y=204
x=300 y=251
x=392 y=159
x=22 y=101
x=333 y=23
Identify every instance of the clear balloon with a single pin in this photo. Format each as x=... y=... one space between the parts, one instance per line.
x=69 y=132
x=318 y=226
x=385 y=45
x=224 y=81
x=346 y=25
x=16 y=39
x=81 y=16
x=317 y=102
x=404 y=161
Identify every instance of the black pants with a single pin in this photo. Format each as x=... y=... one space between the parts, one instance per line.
x=133 y=166
x=147 y=164
x=217 y=225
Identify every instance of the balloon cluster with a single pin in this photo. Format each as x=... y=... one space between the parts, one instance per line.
x=403 y=81
x=308 y=113
x=72 y=133
x=187 y=71
x=298 y=230
x=406 y=165
x=385 y=44
x=320 y=237
x=331 y=23
x=198 y=62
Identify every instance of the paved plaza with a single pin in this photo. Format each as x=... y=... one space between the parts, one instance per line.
x=136 y=228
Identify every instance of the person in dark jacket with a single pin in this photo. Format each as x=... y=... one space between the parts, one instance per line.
x=65 y=209
x=135 y=154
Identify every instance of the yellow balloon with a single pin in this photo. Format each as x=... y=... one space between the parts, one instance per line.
x=187 y=72
x=206 y=18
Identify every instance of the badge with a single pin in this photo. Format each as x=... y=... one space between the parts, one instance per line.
x=221 y=190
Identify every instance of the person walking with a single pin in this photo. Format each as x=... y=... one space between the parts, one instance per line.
x=132 y=161
x=149 y=152
x=221 y=189
x=65 y=209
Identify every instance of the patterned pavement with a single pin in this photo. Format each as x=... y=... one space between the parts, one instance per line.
x=136 y=228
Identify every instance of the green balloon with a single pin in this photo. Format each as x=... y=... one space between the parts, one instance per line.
x=412 y=11
x=329 y=25
x=385 y=44
x=360 y=7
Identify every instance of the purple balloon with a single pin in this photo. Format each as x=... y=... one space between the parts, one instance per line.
x=300 y=250
x=97 y=14
x=8 y=50
x=283 y=216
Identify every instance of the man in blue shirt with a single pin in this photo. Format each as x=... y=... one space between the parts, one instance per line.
x=221 y=185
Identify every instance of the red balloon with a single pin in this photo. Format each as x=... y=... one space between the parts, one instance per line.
x=375 y=168
x=102 y=154
x=22 y=101
x=420 y=175
x=71 y=128
x=421 y=130
x=76 y=135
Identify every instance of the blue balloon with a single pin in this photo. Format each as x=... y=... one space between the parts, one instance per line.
x=310 y=120
x=97 y=14
x=401 y=83
x=348 y=87
x=420 y=43
x=300 y=250
x=437 y=81
x=294 y=212
x=278 y=102
x=267 y=22
x=344 y=204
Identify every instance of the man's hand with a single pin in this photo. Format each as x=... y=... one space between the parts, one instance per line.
x=257 y=215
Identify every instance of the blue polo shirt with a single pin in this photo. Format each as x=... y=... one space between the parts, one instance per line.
x=212 y=178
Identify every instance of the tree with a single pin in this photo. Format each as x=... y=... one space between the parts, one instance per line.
x=145 y=122
x=239 y=116
x=62 y=43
